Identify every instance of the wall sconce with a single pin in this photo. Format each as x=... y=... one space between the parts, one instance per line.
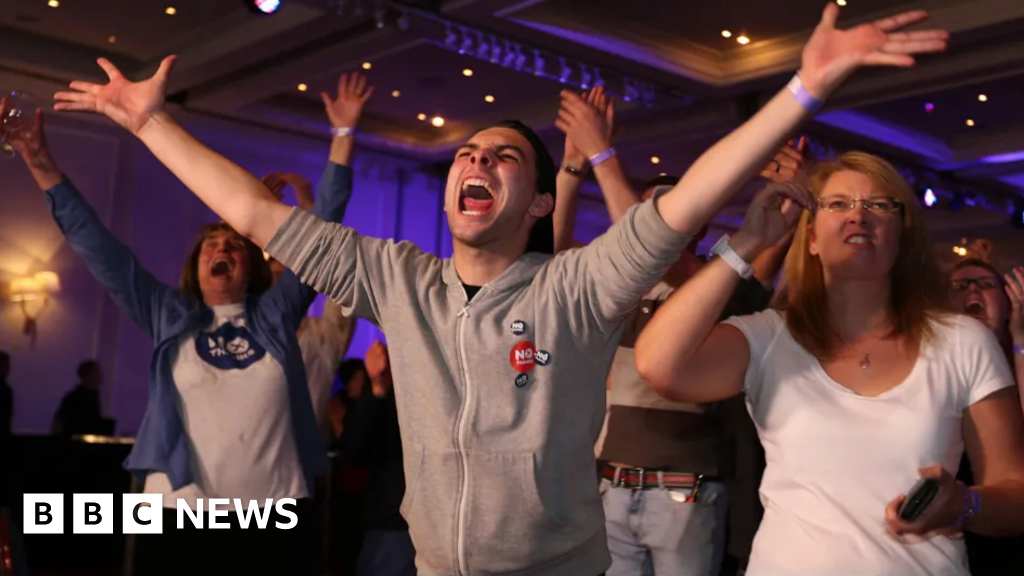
x=34 y=291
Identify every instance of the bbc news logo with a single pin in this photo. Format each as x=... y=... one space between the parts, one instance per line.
x=143 y=513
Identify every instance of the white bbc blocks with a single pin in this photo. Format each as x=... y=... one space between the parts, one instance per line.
x=93 y=514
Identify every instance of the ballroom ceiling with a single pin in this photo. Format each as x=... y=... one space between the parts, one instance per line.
x=687 y=83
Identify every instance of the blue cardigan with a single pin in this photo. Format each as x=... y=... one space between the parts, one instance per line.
x=166 y=314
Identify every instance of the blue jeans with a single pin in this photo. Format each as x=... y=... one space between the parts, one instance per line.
x=656 y=532
x=387 y=553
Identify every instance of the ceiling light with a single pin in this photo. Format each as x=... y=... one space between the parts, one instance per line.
x=489 y=99
x=303 y=87
x=367 y=65
x=982 y=98
x=395 y=93
x=841 y=2
x=726 y=34
x=112 y=39
x=655 y=160
x=467 y=72
x=264 y=6
x=421 y=116
x=928 y=107
x=742 y=39
x=437 y=121
x=970 y=122
x=171 y=11
x=53 y=4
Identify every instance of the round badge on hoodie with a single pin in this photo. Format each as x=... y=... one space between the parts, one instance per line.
x=522 y=356
x=518 y=327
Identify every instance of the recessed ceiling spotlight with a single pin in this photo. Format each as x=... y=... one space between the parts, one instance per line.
x=841 y=2
x=170 y=11
x=970 y=122
x=982 y=98
x=655 y=160
x=726 y=34
x=112 y=40
x=467 y=72
x=367 y=65
x=743 y=40
x=489 y=99
x=421 y=116
x=53 y=4
x=303 y=87
x=437 y=121
x=395 y=93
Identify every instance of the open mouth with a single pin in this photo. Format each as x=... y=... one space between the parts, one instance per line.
x=858 y=240
x=975 y=308
x=476 y=197
x=220 y=267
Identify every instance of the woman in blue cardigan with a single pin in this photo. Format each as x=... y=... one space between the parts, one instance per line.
x=229 y=412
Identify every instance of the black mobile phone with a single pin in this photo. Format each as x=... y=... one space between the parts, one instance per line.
x=918 y=498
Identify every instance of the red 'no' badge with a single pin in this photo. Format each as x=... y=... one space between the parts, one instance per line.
x=522 y=355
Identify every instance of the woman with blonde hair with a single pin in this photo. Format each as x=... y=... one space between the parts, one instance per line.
x=858 y=380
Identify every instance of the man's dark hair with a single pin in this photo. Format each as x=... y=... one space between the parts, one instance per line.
x=87 y=367
x=542 y=235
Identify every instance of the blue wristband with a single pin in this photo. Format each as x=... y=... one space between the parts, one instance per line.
x=803 y=97
x=602 y=156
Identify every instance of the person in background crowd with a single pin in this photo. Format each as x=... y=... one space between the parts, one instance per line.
x=500 y=350
x=351 y=479
x=324 y=339
x=977 y=290
x=659 y=455
x=80 y=412
x=371 y=438
x=858 y=380
x=653 y=451
x=229 y=411
x=6 y=397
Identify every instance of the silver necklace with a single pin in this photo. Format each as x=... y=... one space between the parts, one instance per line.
x=865 y=362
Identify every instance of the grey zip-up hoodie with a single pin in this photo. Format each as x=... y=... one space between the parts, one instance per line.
x=500 y=399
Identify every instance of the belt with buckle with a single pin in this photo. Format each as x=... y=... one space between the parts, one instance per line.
x=641 y=479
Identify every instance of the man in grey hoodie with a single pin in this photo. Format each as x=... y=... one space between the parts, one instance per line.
x=501 y=353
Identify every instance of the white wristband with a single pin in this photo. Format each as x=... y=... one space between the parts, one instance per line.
x=730 y=257
x=339 y=132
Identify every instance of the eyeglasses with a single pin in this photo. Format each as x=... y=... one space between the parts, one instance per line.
x=983 y=283
x=845 y=204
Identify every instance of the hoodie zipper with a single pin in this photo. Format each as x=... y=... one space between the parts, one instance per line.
x=460 y=535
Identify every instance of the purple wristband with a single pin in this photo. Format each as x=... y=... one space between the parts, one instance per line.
x=803 y=97
x=1018 y=349
x=600 y=157
x=972 y=506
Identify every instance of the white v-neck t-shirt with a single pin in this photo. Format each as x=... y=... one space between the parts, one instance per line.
x=232 y=396
x=835 y=459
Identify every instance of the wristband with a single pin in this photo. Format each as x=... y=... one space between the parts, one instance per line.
x=972 y=506
x=340 y=132
x=1018 y=349
x=730 y=257
x=803 y=97
x=600 y=157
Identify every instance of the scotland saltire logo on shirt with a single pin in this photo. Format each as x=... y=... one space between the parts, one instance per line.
x=229 y=347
